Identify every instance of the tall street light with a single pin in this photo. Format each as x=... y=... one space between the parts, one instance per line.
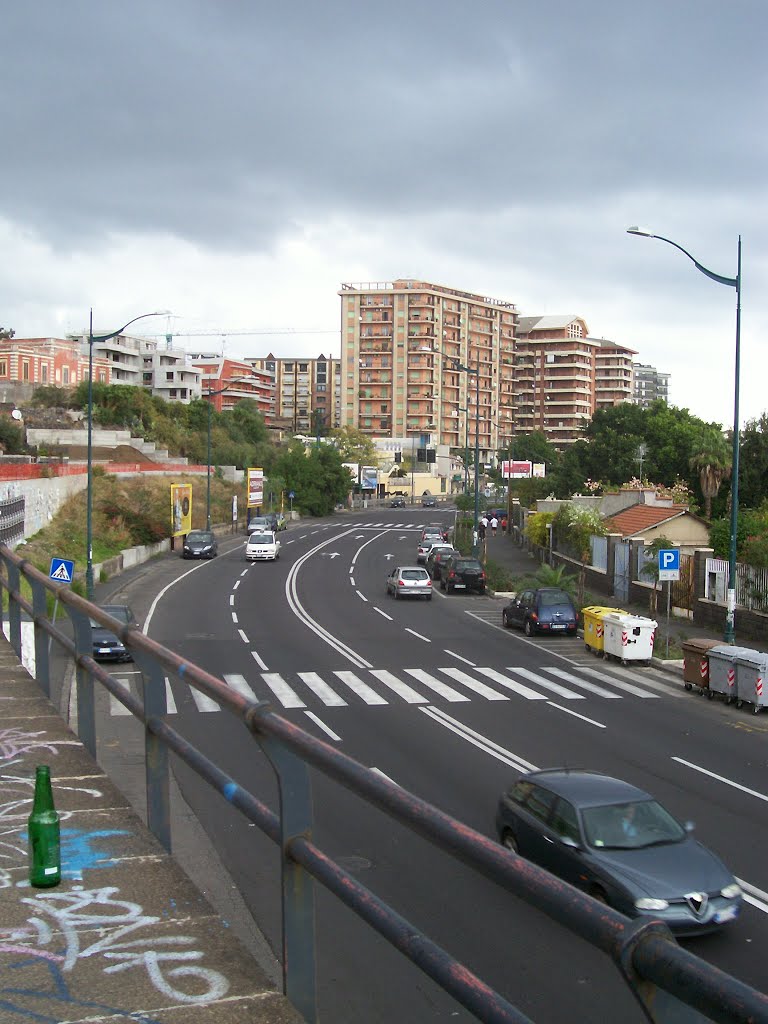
x=89 y=495
x=465 y=410
x=731 y=282
x=212 y=394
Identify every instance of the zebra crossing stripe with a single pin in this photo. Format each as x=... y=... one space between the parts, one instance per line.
x=203 y=701
x=627 y=687
x=322 y=690
x=435 y=684
x=284 y=693
x=170 y=703
x=239 y=685
x=363 y=690
x=512 y=684
x=591 y=687
x=409 y=695
x=115 y=707
x=562 y=691
x=480 y=688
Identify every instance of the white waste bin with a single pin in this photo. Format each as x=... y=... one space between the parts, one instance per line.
x=722 y=670
x=628 y=637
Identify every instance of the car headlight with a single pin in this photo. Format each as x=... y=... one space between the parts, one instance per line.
x=207 y=547
x=731 y=891
x=647 y=903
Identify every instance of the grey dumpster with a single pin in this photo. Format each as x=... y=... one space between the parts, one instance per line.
x=752 y=679
x=722 y=670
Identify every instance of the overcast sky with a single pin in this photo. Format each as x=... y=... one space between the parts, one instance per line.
x=236 y=162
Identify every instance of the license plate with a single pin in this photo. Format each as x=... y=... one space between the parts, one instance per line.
x=105 y=650
x=460 y=586
x=726 y=915
x=557 y=625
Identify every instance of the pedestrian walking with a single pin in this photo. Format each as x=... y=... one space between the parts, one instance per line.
x=481 y=528
x=494 y=525
x=504 y=524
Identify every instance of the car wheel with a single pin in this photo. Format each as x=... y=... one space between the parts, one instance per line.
x=442 y=585
x=505 y=620
x=528 y=628
x=508 y=840
x=449 y=588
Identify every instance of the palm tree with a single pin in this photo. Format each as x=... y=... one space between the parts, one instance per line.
x=713 y=464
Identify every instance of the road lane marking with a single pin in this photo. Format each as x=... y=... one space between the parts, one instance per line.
x=231 y=600
x=235 y=618
x=435 y=684
x=239 y=685
x=721 y=778
x=512 y=684
x=284 y=693
x=243 y=637
x=237 y=584
x=478 y=740
x=363 y=690
x=408 y=694
x=352 y=579
x=170 y=703
x=592 y=687
x=362 y=596
x=116 y=708
x=244 y=572
x=466 y=661
x=321 y=725
x=570 y=711
x=259 y=661
x=383 y=613
x=328 y=696
x=351 y=570
x=754 y=896
x=479 y=688
x=420 y=637
x=534 y=677
x=378 y=771
x=627 y=687
x=203 y=701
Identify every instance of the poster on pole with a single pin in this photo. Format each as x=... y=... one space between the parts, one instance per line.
x=255 y=488
x=181 y=509
x=369 y=478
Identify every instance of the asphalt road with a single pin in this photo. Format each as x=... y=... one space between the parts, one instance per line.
x=443 y=701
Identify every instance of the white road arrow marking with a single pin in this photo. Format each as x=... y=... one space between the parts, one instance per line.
x=388 y=556
x=330 y=554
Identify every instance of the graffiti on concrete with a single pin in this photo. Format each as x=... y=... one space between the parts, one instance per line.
x=125 y=941
x=14 y=742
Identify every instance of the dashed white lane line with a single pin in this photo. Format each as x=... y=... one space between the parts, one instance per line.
x=243 y=637
x=259 y=661
x=321 y=725
x=352 y=580
x=362 y=596
x=237 y=584
x=231 y=600
x=235 y=618
x=244 y=571
x=351 y=570
x=453 y=654
x=570 y=711
x=382 y=613
x=420 y=637
x=721 y=778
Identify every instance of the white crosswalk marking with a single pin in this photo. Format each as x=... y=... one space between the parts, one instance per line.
x=170 y=703
x=626 y=687
x=284 y=693
x=239 y=685
x=512 y=684
x=480 y=688
x=362 y=689
x=409 y=695
x=561 y=691
x=203 y=701
x=115 y=707
x=322 y=690
x=592 y=687
x=435 y=684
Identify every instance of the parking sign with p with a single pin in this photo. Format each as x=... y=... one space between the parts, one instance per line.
x=669 y=564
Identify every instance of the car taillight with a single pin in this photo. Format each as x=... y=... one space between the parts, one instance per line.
x=451 y=575
x=429 y=583
x=534 y=617
x=482 y=575
x=401 y=583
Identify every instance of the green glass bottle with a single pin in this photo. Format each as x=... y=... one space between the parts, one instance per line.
x=43 y=832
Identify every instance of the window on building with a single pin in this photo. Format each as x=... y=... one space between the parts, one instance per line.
x=3 y=367
x=25 y=370
x=288 y=367
x=169 y=375
x=302 y=367
x=43 y=373
x=64 y=373
x=102 y=378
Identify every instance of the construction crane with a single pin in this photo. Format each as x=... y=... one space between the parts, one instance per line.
x=170 y=335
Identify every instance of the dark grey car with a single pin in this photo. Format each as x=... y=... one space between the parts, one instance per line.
x=106 y=645
x=546 y=610
x=617 y=843
x=200 y=544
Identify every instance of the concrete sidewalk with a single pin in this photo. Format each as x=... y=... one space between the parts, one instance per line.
x=125 y=935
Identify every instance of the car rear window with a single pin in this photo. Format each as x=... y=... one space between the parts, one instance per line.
x=553 y=598
x=415 y=574
x=467 y=563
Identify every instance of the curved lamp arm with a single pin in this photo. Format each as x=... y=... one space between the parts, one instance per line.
x=731 y=282
x=115 y=334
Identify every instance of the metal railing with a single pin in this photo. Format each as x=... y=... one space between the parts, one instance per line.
x=671 y=984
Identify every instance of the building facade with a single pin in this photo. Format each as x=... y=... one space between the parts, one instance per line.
x=649 y=385
x=168 y=373
x=613 y=374
x=59 y=362
x=555 y=377
x=422 y=361
x=307 y=392
x=223 y=384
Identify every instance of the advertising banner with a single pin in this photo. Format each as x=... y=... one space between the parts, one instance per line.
x=369 y=478
x=255 y=487
x=181 y=509
x=516 y=470
x=539 y=470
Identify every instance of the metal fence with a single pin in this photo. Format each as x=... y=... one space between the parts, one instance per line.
x=670 y=984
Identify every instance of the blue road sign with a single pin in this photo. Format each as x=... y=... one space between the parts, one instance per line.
x=669 y=564
x=291 y=494
x=62 y=570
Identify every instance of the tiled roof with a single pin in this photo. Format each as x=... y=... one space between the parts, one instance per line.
x=637 y=518
x=529 y=323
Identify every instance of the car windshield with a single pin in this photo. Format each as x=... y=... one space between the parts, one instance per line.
x=262 y=538
x=414 y=574
x=553 y=598
x=119 y=612
x=630 y=826
x=199 y=537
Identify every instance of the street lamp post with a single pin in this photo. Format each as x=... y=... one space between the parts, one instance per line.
x=212 y=394
x=89 y=471
x=731 y=282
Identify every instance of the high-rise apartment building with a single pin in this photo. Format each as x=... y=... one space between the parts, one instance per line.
x=307 y=391
x=415 y=358
x=613 y=374
x=555 y=371
x=649 y=384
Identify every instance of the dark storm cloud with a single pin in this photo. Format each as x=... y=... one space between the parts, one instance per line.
x=233 y=124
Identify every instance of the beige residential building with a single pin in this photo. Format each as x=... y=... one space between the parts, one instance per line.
x=400 y=341
x=307 y=391
x=555 y=377
x=613 y=374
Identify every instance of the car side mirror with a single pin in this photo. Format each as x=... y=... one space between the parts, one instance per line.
x=689 y=826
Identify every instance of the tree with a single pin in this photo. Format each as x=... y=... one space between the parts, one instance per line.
x=713 y=464
x=753 y=463
x=353 y=445
x=317 y=476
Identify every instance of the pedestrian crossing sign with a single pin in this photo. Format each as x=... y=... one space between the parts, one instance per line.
x=62 y=570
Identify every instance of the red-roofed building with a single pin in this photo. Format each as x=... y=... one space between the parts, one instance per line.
x=649 y=522
x=225 y=376
x=53 y=361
